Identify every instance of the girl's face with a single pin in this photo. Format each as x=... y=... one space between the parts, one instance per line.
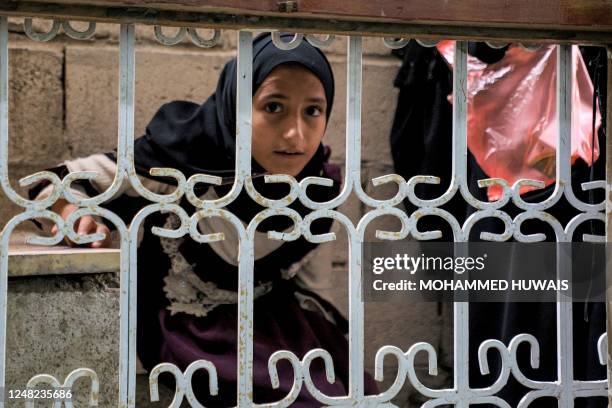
x=288 y=119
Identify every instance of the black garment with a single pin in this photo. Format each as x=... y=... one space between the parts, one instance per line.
x=201 y=139
x=421 y=142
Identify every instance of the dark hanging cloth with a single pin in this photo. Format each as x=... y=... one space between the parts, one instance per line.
x=421 y=144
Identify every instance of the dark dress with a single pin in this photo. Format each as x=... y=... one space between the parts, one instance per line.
x=287 y=316
x=280 y=323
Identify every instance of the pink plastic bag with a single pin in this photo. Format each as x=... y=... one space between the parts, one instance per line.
x=512 y=114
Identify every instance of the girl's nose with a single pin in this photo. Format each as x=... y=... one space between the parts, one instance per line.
x=294 y=133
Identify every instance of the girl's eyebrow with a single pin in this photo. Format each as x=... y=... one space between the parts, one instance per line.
x=317 y=100
x=277 y=95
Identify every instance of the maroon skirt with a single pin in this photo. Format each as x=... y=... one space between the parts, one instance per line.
x=280 y=323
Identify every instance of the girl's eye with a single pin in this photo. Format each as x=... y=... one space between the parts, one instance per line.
x=313 y=111
x=274 y=107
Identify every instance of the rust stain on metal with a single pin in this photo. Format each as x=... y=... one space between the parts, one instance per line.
x=488 y=182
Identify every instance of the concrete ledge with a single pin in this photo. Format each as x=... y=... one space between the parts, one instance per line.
x=35 y=260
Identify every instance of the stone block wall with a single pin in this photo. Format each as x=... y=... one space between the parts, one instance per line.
x=63 y=97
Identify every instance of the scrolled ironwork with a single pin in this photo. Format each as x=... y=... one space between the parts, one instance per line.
x=68 y=383
x=182 y=33
x=43 y=37
x=320 y=43
x=184 y=387
x=427 y=43
x=496 y=44
x=79 y=35
x=529 y=46
x=165 y=40
x=54 y=30
x=298 y=378
x=286 y=45
x=565 y=388
x=395 y=43
x=202 y=42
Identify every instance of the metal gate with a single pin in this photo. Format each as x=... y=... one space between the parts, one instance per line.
x=565 y=388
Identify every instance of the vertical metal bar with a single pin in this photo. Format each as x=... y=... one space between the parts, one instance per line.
x=564 y=109
x=127 y=346
x=4 y=67
x=353 y=139
x=353 y=105
x=244 y=103
x=5 y=183
x=356 y=320
x=461 y=309
x=609 y=221
x=245 y=280
x=460 y=107
x=565 y=367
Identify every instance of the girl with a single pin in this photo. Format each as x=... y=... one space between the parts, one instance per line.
x=187 y=291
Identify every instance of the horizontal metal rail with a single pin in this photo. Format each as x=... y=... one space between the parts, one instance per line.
x=593 y=27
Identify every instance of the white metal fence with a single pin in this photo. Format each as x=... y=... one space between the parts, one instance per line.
x=565 y=388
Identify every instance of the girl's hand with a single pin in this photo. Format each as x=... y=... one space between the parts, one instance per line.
x=83 y=226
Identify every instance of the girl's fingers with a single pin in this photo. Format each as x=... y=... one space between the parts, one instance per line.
x=86 y=225
x=83 y=226
x=103 y=243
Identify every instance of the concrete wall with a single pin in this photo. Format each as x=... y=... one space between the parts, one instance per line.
x=63 y=97
x=58 y=324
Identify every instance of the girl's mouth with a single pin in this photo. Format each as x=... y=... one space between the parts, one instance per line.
x=288 y=153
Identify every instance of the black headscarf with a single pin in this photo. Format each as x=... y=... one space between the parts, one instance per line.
x=202 y=138
x=196 y=138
